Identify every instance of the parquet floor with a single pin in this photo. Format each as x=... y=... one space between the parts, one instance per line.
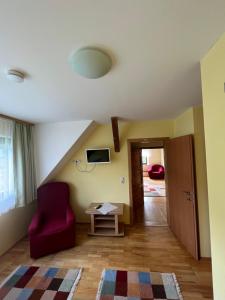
x=142 y=249
x=153 y=212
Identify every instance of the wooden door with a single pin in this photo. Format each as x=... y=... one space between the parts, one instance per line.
x=137 y=180
x=181 y=192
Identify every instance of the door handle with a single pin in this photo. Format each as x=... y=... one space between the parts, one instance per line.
x=189 y=195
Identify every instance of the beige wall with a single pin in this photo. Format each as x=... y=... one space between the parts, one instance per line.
x=184 y=123
x=103 y=183
x=213 y=78
x=13 y=226
x=154 y=156
x=201 y=182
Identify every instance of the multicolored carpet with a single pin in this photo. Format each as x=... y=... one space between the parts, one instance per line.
x=126 y=285
x=33 y=283
x=154 y=190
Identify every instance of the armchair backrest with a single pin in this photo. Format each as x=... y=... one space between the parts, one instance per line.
x=53 y=199
x=157 y=168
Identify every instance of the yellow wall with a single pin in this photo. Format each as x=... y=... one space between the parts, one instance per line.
x=213 y=78
x=184 y=123
x=201 y=182
x=103 y=183
x=191 y=122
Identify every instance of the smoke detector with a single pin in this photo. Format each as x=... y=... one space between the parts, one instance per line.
x=15 y=75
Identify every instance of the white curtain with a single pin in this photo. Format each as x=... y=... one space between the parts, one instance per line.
x=24 y=169
x=7 y=194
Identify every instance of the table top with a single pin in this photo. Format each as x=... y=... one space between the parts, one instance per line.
x=93 y=211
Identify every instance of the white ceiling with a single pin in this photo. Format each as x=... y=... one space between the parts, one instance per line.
x=156 y=47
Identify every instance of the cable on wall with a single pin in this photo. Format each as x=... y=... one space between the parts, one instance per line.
x=83 y=167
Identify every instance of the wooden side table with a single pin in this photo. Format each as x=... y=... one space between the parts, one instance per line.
x=106 y=225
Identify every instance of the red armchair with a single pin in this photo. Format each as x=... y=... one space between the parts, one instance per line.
x=53 y=226
x=156 y=172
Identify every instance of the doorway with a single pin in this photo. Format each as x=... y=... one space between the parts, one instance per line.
x=153 y=212
x=180 y=196
x=149 y=205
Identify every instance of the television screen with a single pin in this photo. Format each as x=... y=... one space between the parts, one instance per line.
x=98 y=156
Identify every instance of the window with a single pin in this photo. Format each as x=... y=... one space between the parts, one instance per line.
x=17 y=171
x=7 y=197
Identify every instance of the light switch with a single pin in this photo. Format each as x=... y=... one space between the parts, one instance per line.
x=122 y=179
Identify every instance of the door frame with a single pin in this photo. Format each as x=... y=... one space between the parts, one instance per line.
x=142 y=143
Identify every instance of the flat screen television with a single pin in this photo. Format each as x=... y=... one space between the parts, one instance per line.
x=98 y=156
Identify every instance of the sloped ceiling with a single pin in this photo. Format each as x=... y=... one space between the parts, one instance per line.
x=156 y=46
x=55 y=143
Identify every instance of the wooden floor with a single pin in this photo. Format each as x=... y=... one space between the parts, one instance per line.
x=153 y=213
x=142 y=249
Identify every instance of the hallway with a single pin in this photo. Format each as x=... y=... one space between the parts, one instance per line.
x=153 y=213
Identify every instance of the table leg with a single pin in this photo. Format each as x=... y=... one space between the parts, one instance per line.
x=116 y=225
x=92 y=223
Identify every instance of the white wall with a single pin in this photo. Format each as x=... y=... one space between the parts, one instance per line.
x=14 y=226
x=154 y=156
x=53 y=141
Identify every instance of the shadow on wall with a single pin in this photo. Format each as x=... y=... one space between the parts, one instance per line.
x=79 y=210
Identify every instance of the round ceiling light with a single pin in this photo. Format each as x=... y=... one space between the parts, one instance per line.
x=14 y=75
x=91 y=62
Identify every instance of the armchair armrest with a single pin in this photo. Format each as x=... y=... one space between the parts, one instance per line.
x=70 y=217
x=35 y=223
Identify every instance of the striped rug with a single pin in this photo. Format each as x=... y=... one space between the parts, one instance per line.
x=127 y=285
x=33 y=283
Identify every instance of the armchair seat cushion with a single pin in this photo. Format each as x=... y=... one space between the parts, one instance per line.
x=52 y=227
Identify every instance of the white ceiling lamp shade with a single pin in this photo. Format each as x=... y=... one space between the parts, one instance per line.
x=91 y=62
x=15 y=75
